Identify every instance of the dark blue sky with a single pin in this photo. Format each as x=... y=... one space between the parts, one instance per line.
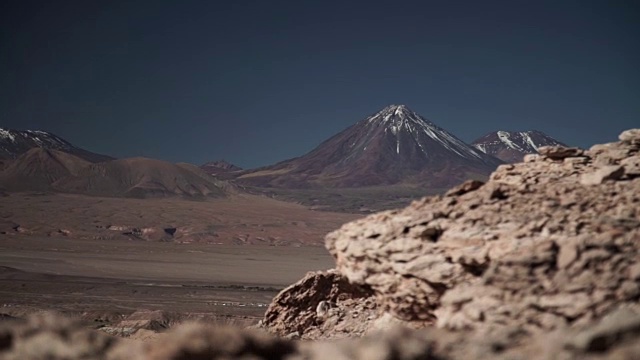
x=256 y=82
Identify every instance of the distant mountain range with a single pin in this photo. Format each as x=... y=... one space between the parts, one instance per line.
x=392 y=146
x=511 y=146
x=14 y=143
x=41 y=169
x=219 y=167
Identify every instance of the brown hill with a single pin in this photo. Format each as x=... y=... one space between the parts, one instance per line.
x=141 y=177
x=38 y=169
x=393 y=146
x=14 y=143
x=51 y=170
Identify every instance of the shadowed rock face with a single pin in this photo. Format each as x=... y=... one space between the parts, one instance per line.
x=295 y=312
x=393 y=146
x=512 y=146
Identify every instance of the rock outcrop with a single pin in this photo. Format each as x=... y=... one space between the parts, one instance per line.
x=544 y=244
x=321 y=305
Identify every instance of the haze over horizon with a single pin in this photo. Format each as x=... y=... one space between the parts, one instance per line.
x=259 y=82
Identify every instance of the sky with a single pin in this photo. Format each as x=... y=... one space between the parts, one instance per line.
x=257 y=82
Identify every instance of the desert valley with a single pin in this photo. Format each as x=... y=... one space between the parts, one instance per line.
x=133 y=248
x=104 y=239
x=319 y=180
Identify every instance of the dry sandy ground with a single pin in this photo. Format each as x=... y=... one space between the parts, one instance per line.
x=82 y=256
x=238 y=219
x=106 y=279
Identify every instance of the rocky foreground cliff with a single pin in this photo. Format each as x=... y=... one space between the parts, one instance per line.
x=540 y=262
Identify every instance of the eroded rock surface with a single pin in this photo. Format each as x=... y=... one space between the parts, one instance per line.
x=321 y=305
x=544 y=244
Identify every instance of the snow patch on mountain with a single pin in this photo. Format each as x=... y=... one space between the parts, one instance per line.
x=529 y=140
x=511 y=146
x=504 y=137
x=6 y=134
x=392 y=146
x=398 y=119
x=14 y=143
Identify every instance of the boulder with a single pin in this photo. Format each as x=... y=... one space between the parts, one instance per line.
x=321 y=305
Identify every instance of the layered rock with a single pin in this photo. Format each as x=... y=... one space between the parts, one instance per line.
x=547 y=243
x=321 y=305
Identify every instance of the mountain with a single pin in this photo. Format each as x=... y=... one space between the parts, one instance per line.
x=14 y=143
x=219 y=167
x=392 y=146
x=511 y=146
x=141 y=177
x=38 y=169
x=50 y=170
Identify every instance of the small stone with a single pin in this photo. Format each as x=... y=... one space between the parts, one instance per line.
x=567 y=255
x=578 y=160
x=601 y=148
x=559 y=152
x=292 y=336
x=612 y=172
x=467 y=186
x=629 y=290
x=630 y=136
x=634 y=271
x=529 y=158
x=631 y=165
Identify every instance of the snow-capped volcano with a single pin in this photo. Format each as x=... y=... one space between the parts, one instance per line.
x=392 y=146
x=400 y=121
x=511 y=146
x=14 y=143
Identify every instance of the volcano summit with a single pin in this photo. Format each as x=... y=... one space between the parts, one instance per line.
x=392 y=146
x=512 y=146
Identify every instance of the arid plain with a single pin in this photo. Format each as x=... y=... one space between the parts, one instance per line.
x=103 y=259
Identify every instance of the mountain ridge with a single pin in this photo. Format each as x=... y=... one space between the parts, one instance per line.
x=219 y=167
x=511 y=146
x=14 y=143
x=392 y=146
x=50 y=170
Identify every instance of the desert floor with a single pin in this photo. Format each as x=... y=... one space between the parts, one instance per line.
x=108 y=279
x=72 y=254
x=237 y=219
